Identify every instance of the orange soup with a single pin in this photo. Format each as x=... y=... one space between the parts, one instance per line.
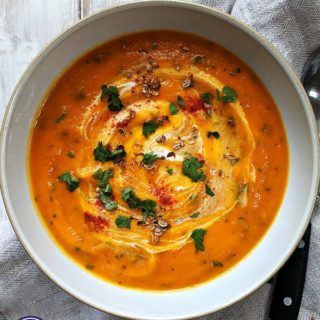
x=158 y=160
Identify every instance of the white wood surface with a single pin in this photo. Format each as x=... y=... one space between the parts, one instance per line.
x=26 y=26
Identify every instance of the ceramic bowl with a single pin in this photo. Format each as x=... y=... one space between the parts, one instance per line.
x=280 y=80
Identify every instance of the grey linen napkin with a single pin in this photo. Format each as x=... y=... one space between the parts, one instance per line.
x=293 y=26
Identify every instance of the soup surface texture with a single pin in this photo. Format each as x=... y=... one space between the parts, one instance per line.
x=158 y=160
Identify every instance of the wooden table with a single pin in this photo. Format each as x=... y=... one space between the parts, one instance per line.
x=26 y=26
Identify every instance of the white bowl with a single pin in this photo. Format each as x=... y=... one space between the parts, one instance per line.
x=296 y=113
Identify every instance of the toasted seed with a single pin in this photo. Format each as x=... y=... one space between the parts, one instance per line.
x=149 y=67
x=178 y=145
x=185 y=48
x=142 y=223
x=198 y=58
x=162 y=223
x=155 y=65
x=157 y=229
x=121 y=131
x=155 y=84
x=128 y=74
x=235 y=72
x=186 y=83
x=194 y=132
x=161 y=139
x=178 y=67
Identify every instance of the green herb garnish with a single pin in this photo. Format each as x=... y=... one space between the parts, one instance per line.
x=114 y=102
x=209 y=191
x=105 y=191
x=192 y=197
x=70 y=154
x=197 y=59
x=105 y=196
x=207 y=97
x=217 y=264
x=104 y=153
x=214 y=134
x=228 y=95
x=198 y=237
x=181 y=101
x=148 y=206
x=170 y=171
x=103 y=176
x=173 y=109
x=149 y=158
x=123 y=222
x=72 y=182
x=194 y=215
x=61 y=117
x=150 y=127
x=191 y=168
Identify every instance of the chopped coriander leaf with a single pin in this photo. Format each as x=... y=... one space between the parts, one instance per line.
x=70 y=154
x=209 y=191
x=191 y=168
x=150 y=127
x=207 y=97
x=194 y=215
x=198 y=58
x=228 y=95
x=61 y=117
x=114 y=102
x=217 y=264
x=181 y=101
x=173 y=109
x=214 y=134
x=72 y=182
x=103 y=176
x=100 y=152
x=105 y=196
x=148 y=207
x=123 y=222
x=109 y=204
x=149 y=158
x=192 y=197
x=170 y=171
x=104 y=153
x=106 y=190
x=198 y=237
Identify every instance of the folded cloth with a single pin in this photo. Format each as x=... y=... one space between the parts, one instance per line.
x=293 y=26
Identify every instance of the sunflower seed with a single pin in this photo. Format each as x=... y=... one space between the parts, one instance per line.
x=186 y=83
x=178 y=145
x=162 y=223
x=161 y=139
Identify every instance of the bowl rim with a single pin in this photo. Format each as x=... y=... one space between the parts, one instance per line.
x=235 y=22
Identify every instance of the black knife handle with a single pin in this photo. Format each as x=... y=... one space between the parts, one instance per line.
x=289 y=283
